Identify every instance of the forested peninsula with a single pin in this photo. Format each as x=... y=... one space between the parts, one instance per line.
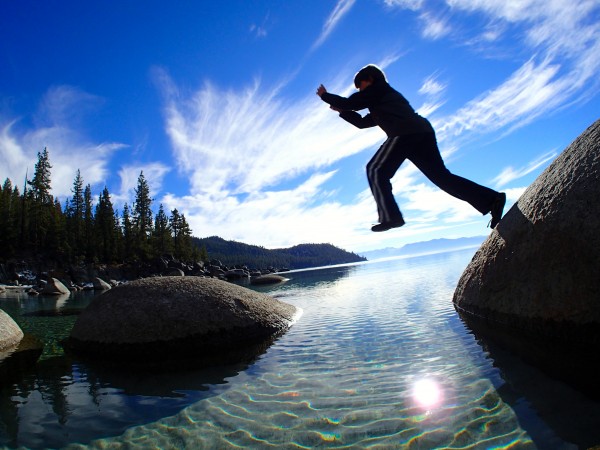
x=297 y=257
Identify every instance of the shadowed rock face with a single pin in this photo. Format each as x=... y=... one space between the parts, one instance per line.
x=179 y=317
x=539 y=270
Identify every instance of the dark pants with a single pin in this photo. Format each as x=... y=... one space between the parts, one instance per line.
x=422 y=150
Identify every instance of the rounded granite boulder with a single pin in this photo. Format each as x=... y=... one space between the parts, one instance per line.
x=160 y=318
x=538 y=271
x=55 y=287
x=10 y=333
x=270 y=278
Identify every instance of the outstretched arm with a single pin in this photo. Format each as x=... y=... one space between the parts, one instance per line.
x=347 y=114
x=357 y=101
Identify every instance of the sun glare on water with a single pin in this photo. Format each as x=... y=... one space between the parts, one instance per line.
x=427 y=393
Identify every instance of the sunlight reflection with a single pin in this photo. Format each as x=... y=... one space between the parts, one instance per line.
x=427 y=393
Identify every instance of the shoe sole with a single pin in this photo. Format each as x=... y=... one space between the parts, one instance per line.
x=386 y=226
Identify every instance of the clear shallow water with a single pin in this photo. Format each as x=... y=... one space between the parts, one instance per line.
x=378 y=359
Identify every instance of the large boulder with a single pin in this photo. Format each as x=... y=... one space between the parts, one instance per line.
x=160 y=318
x=10 y=333
x=100 y=284
x=538 y=271
x=268 y=279
x=54 y=287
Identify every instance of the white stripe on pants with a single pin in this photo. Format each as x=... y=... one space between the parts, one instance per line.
x=380 y=185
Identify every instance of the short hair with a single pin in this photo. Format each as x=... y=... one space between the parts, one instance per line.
x=369 y=73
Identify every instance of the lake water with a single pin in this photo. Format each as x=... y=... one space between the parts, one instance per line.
x=378 y=359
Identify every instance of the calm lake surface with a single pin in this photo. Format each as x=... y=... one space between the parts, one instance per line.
x=378 y=359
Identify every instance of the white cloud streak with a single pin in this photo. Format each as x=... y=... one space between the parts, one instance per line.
x=434 y=26
x=510 y=174
x=531 y=91
x=57 y=119
x=241 y=142
x=342 y=7
x=433 y=90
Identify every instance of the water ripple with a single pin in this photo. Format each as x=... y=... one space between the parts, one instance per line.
x=378 y=359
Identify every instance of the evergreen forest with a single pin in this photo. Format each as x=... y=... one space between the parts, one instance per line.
x=34 y=224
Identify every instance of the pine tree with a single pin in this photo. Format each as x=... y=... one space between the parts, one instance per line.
x=142 y=218
x=161 y=240
x=8 y=220
x=88 y=225
x=41 y=203
x=118 y=233
x=202 y=253
x=128 y=234
x=105 y=228
x=75 y=220
x=40 y=184
x=182 y=236
x=57 y=242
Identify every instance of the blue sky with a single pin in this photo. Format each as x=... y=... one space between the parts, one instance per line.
x=215 y=102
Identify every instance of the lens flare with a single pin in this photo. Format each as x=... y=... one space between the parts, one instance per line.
x=427 y=393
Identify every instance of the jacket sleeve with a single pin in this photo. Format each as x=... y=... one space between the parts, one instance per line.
x=357 y=101
x=357 y=120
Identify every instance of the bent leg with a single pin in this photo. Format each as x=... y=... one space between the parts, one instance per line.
x=427 y=158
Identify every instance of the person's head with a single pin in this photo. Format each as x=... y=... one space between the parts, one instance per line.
x=371 y=74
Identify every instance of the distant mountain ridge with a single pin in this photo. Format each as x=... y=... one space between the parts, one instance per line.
x=433 y=246
x=301 y=256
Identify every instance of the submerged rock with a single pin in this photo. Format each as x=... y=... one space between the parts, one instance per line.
x=537 y=273
x=160 y=318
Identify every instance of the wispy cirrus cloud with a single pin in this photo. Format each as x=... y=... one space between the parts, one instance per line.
x=562 y=43
x=243 y=141
x=342 y=7
x=531 y=91
x=414 y=5
x=433 y=91
x=258 y=165
x=261 y=30
x=510 y=173
x=434 y=26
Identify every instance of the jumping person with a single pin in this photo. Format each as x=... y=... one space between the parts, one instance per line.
x=409 y=136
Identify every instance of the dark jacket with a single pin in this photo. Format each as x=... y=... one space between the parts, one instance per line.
x=388 y=109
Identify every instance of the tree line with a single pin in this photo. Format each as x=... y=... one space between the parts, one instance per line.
x=34 y=224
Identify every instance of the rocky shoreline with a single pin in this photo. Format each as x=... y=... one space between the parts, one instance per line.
x=36 y=277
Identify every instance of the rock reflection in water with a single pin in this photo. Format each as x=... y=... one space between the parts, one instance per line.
x=557 y=386
x=75 y=401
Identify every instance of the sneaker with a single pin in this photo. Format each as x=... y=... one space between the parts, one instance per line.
x=384 y=226
x=497 y=209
